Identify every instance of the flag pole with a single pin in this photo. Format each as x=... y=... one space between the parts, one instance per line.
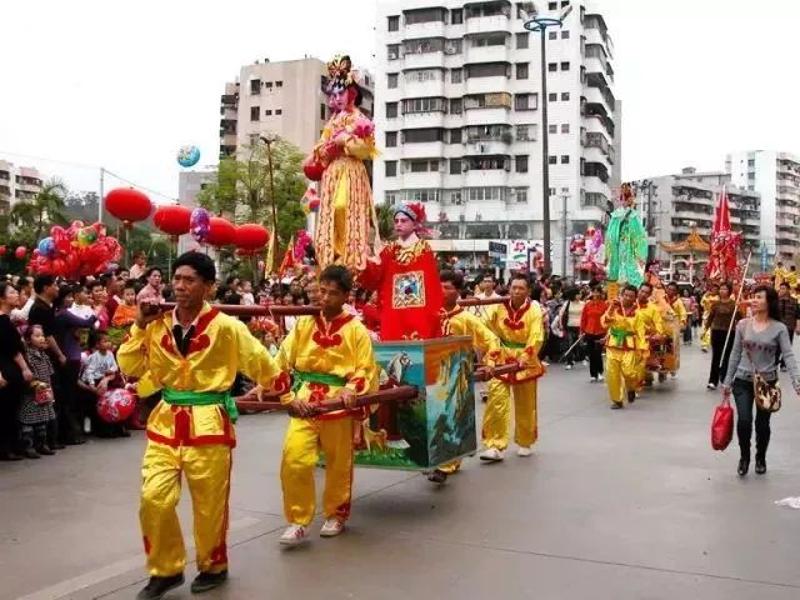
x=735 y=309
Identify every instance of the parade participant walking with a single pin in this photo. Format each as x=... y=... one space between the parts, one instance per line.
x=675 y=320
x=708 y=300
x=457 y=321
x=719 y=323
x=329 y=357
x=193 y=354
x=788 y=309
x=757 y=342
x=518 y=323
x=624 y=347
x=593 y=332
x=650 y=315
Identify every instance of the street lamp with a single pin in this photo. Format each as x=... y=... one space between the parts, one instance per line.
x=272 y=256
x=539 y=23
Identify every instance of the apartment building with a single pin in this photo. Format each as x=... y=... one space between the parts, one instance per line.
x=17 y=183
x=459 y=119
x=776 y=177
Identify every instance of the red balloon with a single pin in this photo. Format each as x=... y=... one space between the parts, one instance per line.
x=20 y=252
x=313 y=170
x=173 y=219
x=221 y=232
x=251 y=237
x=128 y=205
x=3 y=250
x=116 y=406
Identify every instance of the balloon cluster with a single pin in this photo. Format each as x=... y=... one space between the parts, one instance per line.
x=76 y=251
x=301 y=244
x=200 y=225
x=116 y=406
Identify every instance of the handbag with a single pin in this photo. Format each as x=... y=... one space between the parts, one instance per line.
x=766 y=394
x=722 y=425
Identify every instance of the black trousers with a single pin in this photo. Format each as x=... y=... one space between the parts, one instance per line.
x=744 y=396
x=778 y=358
x=717 y=342
x=10 y=401
x=69 y=404
x=594 y=348
x=572 y=335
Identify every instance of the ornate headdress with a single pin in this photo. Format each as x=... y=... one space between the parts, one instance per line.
x=626 y=194
x=341 y=74
x=414 y=211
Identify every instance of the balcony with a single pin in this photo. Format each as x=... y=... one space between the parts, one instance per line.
x=413 y=88
x=423 y=120
x=487 y=85
x=595 y=169
x=228 y=139
x=594 y=185
x=426 y=60
x=486 y=24
x=486 y=54
x=423 y=180
x=595 y=97
x=486 y=178
x=424 y=30
x=422 y=150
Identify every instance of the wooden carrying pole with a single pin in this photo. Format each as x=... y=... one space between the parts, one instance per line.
x=735 y=310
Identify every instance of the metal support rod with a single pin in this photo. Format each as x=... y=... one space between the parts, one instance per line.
x=564 y=235
x=102 y=195
x=548 y=266
x=736 y=308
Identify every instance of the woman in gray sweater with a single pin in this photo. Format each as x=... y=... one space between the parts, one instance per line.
x=757 y=341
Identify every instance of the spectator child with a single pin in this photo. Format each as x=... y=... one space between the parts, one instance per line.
x=125 y=314
x=37 y=415
x=99 y=371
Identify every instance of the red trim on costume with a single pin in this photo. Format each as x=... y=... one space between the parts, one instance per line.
x=327 y=336
x=166 y=344
x=183 y=432
x=146 y=545
x=514 y=319
x=282 y=383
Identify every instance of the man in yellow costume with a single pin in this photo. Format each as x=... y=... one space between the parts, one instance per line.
x=330 y=358
x=518 y=324
x=675 y=318
x=624 y=346
x=457 y=321
x=653 y=330
x=192 y=354
x=709 y=299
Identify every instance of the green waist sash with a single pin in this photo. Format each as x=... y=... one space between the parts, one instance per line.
x=301 y=377
x=514 y=345
x=618 y=334
x=188 y=398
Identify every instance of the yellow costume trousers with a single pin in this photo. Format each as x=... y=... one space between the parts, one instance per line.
x=208 y=472
x=705 y=339
x=304 y=439
x=497 y=418
x=622 y=373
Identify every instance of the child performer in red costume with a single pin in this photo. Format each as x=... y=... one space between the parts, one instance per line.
x=407 y=279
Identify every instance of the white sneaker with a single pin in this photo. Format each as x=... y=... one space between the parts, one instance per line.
x=294 y=535
x=568 y=367
x=87 y=425
x=711 y=386
x=524 y=451
x=600 y=378
x=492 y=455
x=331 y=528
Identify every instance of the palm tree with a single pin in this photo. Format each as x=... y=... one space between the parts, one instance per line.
x=33 y=217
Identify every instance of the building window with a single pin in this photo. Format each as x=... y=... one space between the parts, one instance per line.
x=455 y=136
x=552 y=67
x=565 y=159
x=394 y=23
x=268 y=85
x=279 y=84
x=565 y=128
x=457 y=16
x=565 y=65
x=522 y=164
x=565 y=96
x=526 y=133
x=421 y=136
x=564 y=3
x=751 y=162
x=525 y=101
x=254 y=112
x=456 y=75
x=522 y=70
x=522 y=40
x=552 y=97
x=424 y=105
x=552 y=160
x=391 y=110
x=456 y=106
x=391 y=139
x=497 y=69
x=391 y=168
x=552 y=6
x=255 y=87
x=268 y=112
x=552 y=35
x=552 y=128
x=455 y=166
x=391 y=80
x=565 y=34
x=393 y=51
x=253 y=139
x=454 y=46
x=521 y=194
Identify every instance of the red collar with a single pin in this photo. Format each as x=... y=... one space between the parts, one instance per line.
x=327 y=334
x=514 y=319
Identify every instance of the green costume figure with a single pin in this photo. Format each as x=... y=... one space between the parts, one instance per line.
x=626 y=243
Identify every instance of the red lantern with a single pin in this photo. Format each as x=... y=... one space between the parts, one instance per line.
x=221 y=232
x=3 y=250
x=251 y=237
x=128 y=205
x=20 y=252
x=173 y=219
x=314 y=170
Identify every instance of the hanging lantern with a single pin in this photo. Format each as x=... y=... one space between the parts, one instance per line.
x=3 y=250
x=251 y=238
x=221 y=232
x=20 y=252
x=173 y=219
x=128 y=205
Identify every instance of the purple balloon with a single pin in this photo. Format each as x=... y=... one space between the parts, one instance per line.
x=200 y=225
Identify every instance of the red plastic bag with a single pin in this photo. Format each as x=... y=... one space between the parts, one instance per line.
x=722 y=425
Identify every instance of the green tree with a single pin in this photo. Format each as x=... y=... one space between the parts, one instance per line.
x=385 y=215
x=32 y=218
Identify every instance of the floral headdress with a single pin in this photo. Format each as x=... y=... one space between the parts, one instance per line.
x=627 y=195
x=416 y=212
x=341 y=74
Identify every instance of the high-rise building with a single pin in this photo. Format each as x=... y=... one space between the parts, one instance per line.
x=283 y=98
x=776 y=177
x=459 y=118
x=17 y=183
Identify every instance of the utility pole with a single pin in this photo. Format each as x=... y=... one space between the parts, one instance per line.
x=564 y=198
x=268 y=140
x=102 y=195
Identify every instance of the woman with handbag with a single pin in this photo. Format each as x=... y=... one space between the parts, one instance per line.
x=753 y=375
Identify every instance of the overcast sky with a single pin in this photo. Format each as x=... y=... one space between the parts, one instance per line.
x=124 y=84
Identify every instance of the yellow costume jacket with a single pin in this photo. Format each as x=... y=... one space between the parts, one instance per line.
x=521 y=334
x=322 y=357
x=460 y=322
x=626 y=331
x=220 y=347
x=675 y=317
x=651 y=318
x=707 y=301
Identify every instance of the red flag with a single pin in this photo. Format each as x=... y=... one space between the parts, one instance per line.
x=288 y=259
x=722 y=215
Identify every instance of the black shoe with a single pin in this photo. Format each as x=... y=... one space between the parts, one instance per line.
x=616 y=405
x=744 y=466
x=57 y=446
x=45 y=451
x=631 y=397
x=31 y=453
x=75 y=442
x=158 y=586
x=208 y=581
x=9 y=456
x=437 y=476
x=761 y=466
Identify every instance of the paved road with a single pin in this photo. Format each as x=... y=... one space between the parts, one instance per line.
x=613 y=505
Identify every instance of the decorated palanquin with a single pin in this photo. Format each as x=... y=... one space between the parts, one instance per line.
x=436 y=427
x=409 y=291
